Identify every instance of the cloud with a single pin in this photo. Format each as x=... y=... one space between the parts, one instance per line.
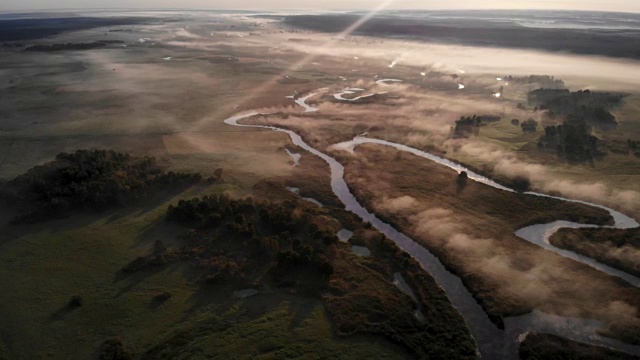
x=544 y=178
x=400 y=204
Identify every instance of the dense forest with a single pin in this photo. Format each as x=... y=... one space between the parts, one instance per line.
x=572 y=140
x=590 y=106
x=73 y=46
x=272 y=232
x=30 y=29
x=88 y=180
x=467 y=127
x=545 y=81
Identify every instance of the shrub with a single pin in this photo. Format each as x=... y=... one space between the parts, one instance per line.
x=114 y=349
x=75 y=302
x=462 y=180
x=521 y=184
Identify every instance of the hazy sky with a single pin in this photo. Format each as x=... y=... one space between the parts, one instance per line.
x=610 y=5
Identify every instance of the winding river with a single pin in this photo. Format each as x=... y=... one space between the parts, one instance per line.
x=536 y=234
x=350 y=91
x=302 y=102
x=493 y=343
x=386 y=82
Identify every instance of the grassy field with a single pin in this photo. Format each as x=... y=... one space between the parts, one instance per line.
x=46 y=264
x=131 y=100
x=292 y=329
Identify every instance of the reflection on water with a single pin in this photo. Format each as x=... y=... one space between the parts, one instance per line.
x=246 y=293
x=302 y=102
x=385 y=82
x=295 y=157
x=344 y=235
x=361 y=251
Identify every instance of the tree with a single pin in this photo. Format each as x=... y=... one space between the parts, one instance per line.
x=324 y=266
x=75 y=302
x=521 y=184
x=461 y=181
x=159 y=247
x=114 y=349
x=529 y=126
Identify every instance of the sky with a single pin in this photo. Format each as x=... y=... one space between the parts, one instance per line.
x=610 y=5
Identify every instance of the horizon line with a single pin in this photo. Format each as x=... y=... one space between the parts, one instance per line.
x=31 y=11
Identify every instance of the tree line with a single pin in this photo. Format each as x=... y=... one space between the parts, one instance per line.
x=259 y=233
x=88 y=180
x=590 y=106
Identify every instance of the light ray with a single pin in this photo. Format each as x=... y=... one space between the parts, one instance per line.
x=310 y=57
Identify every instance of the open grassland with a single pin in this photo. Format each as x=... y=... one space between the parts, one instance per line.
x=268 y=327
x=472 y=231
x=45 y=264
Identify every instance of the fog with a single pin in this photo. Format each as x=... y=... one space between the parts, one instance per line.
x=535 y=278
x=545 y=180
x=580 y=71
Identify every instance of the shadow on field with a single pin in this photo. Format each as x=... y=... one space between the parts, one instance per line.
x=61 y=313
x=168 y=233
x=220 y=300
x=301 y=311
x=10 y=232
x=83 y=218
x=132 y=279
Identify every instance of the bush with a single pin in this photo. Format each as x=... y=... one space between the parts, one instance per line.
x=114 y=349
x=75 y=302
x=521 y=184
x=162 y=298
x=529 y=126
x=462 y=181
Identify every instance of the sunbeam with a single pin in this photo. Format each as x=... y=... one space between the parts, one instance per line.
x=309 y=58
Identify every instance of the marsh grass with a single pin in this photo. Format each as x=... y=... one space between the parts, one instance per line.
x=475 y=236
